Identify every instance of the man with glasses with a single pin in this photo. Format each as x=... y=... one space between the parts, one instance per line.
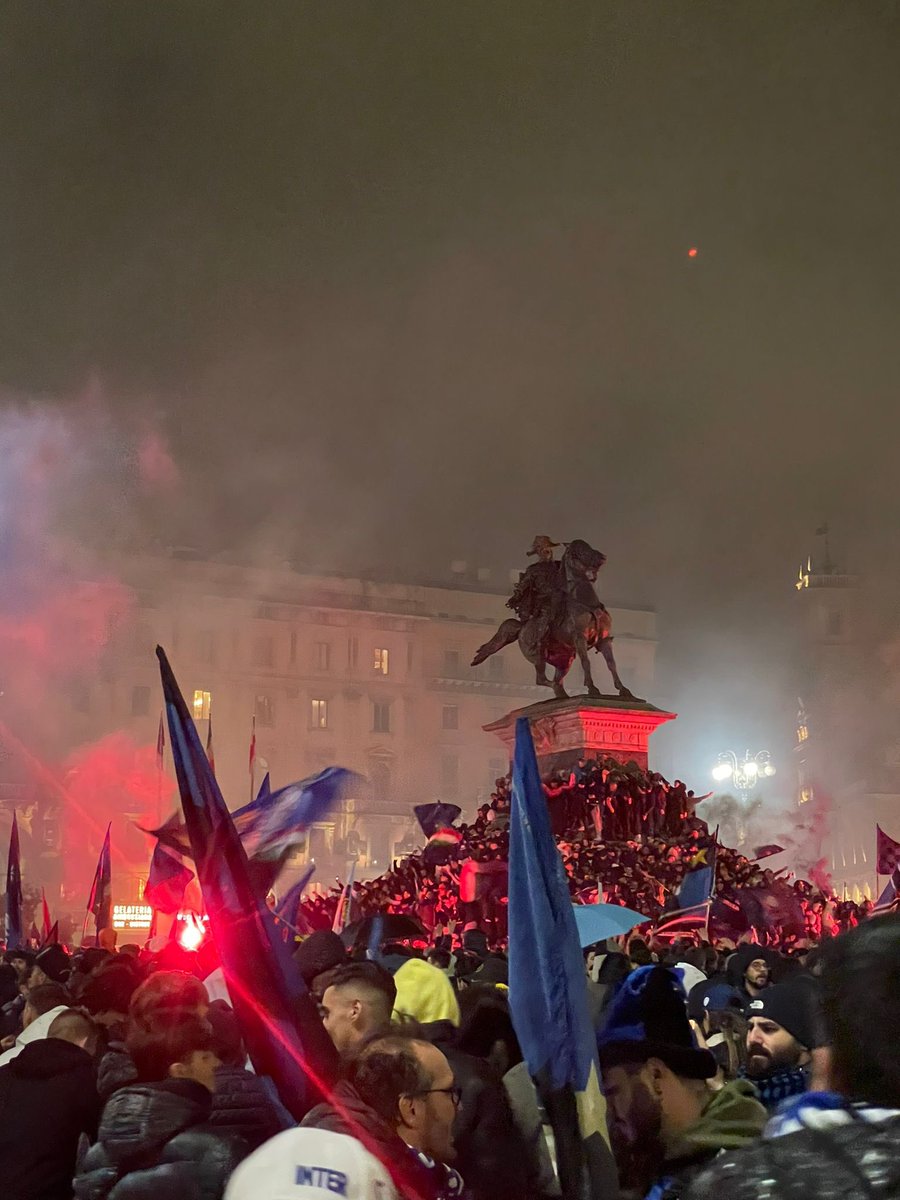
x=400 y=1102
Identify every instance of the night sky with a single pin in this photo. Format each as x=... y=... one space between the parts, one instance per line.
x=405 y=283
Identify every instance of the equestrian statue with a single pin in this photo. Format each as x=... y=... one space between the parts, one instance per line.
x=559 y=615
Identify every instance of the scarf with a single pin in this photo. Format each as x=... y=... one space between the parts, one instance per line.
x=823 y=1111
x=781 y=1085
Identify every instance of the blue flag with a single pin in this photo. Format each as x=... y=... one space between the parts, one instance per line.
x=279 y=1022
x=15 y=935
x=548 y=989
x=265 y=789
x=888 y=897
x=100 y=901
x=432 y=817
x=286 y=909
x=696 y=888
x=166 y=880
x=272 y=823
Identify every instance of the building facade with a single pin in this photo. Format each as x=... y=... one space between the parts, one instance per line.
x=368 y=674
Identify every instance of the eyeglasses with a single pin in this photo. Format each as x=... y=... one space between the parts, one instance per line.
x=454 y=1093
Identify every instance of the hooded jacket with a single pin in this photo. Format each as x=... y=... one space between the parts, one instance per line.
x=47 y=1100
x=34 y=1032
x=819 y=1145
x=154 y=1142
x=732 y=1118
x=247 y=1105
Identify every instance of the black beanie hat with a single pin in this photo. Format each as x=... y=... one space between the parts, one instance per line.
x=54 y=962
x=648 y=1019
x=792 y=1005
x=318 y=953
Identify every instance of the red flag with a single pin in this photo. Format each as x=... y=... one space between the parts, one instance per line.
x=160 y=744
x=210 y=753
x=252 y=747
x=887 y=852
x=45 y=922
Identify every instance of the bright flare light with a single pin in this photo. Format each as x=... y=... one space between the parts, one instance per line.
x=722 y=771
x=192 y=933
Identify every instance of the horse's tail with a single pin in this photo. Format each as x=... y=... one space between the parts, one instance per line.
x=505 y=636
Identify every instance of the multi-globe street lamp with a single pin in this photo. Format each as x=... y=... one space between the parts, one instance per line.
x=744 y=773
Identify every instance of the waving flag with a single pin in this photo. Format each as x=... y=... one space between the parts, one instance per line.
x=342 y=912
x=15 y=935
x=166 y=880
x=282 y=1030
x=52 y=937
x=887 y=901
x=286 y=908
x=100 y=901
x=433 y=817
x=274 y=823
x=548 y=991
x=887 y=852
x=265 y=789
x=160 y=744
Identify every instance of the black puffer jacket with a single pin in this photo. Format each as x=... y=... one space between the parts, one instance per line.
x=48 y=1098
x=247 y=1105
x=492 y=1155
x=856 y=1161
x=154 y=1142
x=116 y=1069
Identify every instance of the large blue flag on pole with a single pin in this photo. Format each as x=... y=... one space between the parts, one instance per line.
x=279 y=1021
x=15 y=935
x=548 y=988
x=100 y=900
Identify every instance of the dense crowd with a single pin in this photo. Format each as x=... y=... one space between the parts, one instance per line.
x=744 y=1073
x=626 y=836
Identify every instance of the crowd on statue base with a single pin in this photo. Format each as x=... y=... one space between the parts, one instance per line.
x=626 y=836
x=739 y=1074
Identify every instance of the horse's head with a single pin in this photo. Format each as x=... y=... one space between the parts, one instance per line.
x=583 y=559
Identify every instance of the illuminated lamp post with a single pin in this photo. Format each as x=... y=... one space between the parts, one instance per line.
x=744 y=774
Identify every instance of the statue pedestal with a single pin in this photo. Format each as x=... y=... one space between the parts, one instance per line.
x=566 y=730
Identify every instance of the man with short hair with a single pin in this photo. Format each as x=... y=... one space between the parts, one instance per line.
x=665 y=1123
x=357 y=1004
x=48 y=1099
x=845 y=1141
x=780 y=1037
x=400 y=1103
x=154 y=1136
x=42 y=1004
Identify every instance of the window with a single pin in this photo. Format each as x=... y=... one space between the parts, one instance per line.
x=265 y=711
x=293 y=650
x=449 y=774
x=352 y=653
x=206 y=648
x=318 y=714
x=323 y=656
x=382 y=662
x=381 y=717
x=264 y=652
x=450 y=717
x=451 y=662
x=140 y=701
x=202 y=705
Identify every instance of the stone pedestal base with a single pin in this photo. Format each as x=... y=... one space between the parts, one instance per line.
x=566 y=730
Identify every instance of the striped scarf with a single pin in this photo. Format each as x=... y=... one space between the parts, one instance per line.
x=780 y=1085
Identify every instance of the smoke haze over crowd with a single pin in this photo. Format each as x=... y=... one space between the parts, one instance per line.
x=399 y=285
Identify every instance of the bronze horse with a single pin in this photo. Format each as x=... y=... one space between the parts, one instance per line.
x=578 y=623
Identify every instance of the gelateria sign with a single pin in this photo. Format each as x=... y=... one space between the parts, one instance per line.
x=132 y=916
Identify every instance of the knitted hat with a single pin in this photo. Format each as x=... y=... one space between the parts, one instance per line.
x=648 y=1019
x=792 y=1006
x=714 y=995
x=318 y=953
x=310 y=1164
x=54 y=962
x=424 y=993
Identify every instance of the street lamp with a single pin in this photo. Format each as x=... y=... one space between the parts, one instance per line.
x=745 y=773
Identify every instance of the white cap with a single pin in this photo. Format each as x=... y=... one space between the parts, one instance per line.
x=310 y=1164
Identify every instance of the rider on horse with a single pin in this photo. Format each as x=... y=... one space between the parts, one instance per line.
x=540 y=593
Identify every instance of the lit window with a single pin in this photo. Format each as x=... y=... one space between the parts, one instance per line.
x=323 y=656
x=450 y=717
x=380 y=665
x=140 y=701
x=265 y=711
x=318 y=714
x=202 y=705
x=381 y=717
x=264 y=652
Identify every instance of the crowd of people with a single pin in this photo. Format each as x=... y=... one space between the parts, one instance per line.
x=626 y=836
x=738 y=1073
